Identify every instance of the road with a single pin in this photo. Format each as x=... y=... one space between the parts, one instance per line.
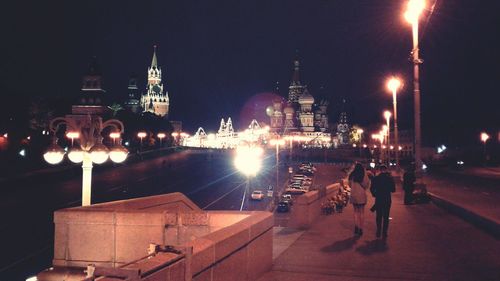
x=206 y=177
x=475 y=189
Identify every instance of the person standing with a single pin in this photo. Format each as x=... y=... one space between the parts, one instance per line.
x=409 y=184
x=359 y=183
x=382 y=187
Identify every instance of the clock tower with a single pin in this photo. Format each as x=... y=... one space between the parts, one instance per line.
x=155 y=100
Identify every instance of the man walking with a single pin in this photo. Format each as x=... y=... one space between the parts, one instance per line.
x=382 y=187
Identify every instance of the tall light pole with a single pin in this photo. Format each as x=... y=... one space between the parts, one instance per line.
x=394 y=84
x=141 y=135
x=412 y=15
x=277 y=143
x=387 y=116
x=484 y=138
x=88 y=129
x=248 y=160
x=161 y=136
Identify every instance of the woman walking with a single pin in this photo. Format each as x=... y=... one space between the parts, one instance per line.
x=359 y=182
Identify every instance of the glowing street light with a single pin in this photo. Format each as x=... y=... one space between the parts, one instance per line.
x=277 y=143
x=161 y=136
x=248 y=160
x=72 y=136
x=114 y=136
x=484 y=138
x=387 y=116
x=141 y=135
x=394 y=84
x=88 y=130
x=412 y=15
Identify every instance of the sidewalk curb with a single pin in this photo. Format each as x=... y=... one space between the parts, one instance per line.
x=487 y=224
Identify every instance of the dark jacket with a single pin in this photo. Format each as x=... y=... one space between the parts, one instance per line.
x=382 y=187
x=409 y=181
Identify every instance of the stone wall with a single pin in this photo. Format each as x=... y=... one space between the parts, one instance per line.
x=223 y=245
x=307 y=207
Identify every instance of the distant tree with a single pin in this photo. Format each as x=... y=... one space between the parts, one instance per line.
x=148 y=122
x=39 y=114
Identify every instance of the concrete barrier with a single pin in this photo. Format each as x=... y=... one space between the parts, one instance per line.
x=488 y=224
x=307 y=207
x=115 y=237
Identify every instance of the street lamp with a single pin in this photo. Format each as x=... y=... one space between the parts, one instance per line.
x=175 y=135
x=484 y=138
x=412 y=15
x=387 y=116
x=248 y=160
x=394 y=84
x=141 y=135
x=161 y=136
x=277 y=143
x=91 y=150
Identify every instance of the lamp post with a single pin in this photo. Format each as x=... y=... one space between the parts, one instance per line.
x=387 y=116
x=175 y=135
x=248 y=160
x=290 y=138
x=484 y=138
x=394 y=84
x=88 y=129
x=412 y=14
x=141 y=135
x=277 y=143
x=161 y=136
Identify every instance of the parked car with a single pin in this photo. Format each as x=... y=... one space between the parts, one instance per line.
x=283 y=207
x=257 y=195
x=288 y=198
x=292 y=190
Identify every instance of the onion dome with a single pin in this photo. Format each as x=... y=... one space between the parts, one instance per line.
x=306 y=98
x=289 y=109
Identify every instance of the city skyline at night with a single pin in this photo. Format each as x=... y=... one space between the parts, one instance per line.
x=216 y=58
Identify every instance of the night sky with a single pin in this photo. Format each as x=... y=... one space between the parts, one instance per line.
x=217 y=55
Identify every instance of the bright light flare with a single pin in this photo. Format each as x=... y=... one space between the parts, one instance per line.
x=484 y=137
x=75 y=155
x=99 y=153
x=118 y=154
x=387 y=114
x=277 y=142
x=175 y=134
x=114 y=135
x=72 y=135
x=248 y=159
x=141 y=134
x=161 y=135
x=54 y=154
x=414 y=10
x=393 y=84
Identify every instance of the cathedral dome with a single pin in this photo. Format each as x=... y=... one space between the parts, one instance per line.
x=306 y=98
x=289 y=109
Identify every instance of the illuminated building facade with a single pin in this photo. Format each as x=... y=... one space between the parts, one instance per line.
x=91 y=99
x=155 y=100
x=133 y=103
x=299 y=115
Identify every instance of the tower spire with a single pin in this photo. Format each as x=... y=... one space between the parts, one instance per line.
x=154 y=62
x=296 y=77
